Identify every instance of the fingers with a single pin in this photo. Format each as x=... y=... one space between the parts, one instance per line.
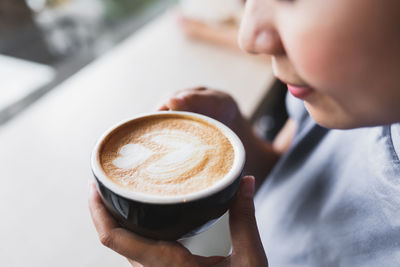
x=101 y=218
x=209 y=261
x=200 y=261
x=134 y=263
x=180 y=101
x=244 y=231
x=132 y=246
x=163 y=107
x=174 y=103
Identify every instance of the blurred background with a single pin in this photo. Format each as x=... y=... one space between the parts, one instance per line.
x=47 y=41
x=69 y=69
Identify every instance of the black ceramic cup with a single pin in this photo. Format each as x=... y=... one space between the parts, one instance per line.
x=170 y=217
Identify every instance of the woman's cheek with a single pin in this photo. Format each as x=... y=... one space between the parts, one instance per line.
x=317 y=61
x=316 y=45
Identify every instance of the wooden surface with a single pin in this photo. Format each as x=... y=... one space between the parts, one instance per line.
x=220 y=34
x=44 y=152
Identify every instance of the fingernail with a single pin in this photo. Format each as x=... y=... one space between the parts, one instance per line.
x=248 y=186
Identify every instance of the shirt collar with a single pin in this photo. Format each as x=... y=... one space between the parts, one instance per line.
x=395 y=134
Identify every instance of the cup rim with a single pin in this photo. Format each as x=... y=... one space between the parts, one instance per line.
x=228 y=179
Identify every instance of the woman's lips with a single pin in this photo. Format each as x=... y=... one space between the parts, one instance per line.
x=299 y=91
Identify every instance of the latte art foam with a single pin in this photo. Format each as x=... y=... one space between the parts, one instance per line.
x=177 y=152
x=166 y=155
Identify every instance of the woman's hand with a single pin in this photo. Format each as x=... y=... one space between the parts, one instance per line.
x=247 y=249
x=212 y=103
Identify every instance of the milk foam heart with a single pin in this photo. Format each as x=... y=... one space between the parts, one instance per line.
x=166 y=155
x=178 y=152
x=132 y=155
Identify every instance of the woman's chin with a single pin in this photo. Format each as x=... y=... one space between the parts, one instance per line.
x=332 y=119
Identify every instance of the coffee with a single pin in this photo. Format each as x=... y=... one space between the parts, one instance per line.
x=168 y=154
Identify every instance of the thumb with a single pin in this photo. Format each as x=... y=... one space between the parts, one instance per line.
x=243 y=225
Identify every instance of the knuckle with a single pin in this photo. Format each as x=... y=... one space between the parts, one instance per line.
x=174 y=256
x=183 y=260
x=107 y=239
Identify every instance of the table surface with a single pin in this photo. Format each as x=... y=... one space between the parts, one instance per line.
x=44 y=155
x=13 y=89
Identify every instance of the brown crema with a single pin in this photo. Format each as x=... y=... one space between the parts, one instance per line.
x=166 y=154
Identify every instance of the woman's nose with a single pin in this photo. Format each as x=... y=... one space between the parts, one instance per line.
x=258 y=34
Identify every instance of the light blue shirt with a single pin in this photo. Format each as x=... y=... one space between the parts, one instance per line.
x=334 y=198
